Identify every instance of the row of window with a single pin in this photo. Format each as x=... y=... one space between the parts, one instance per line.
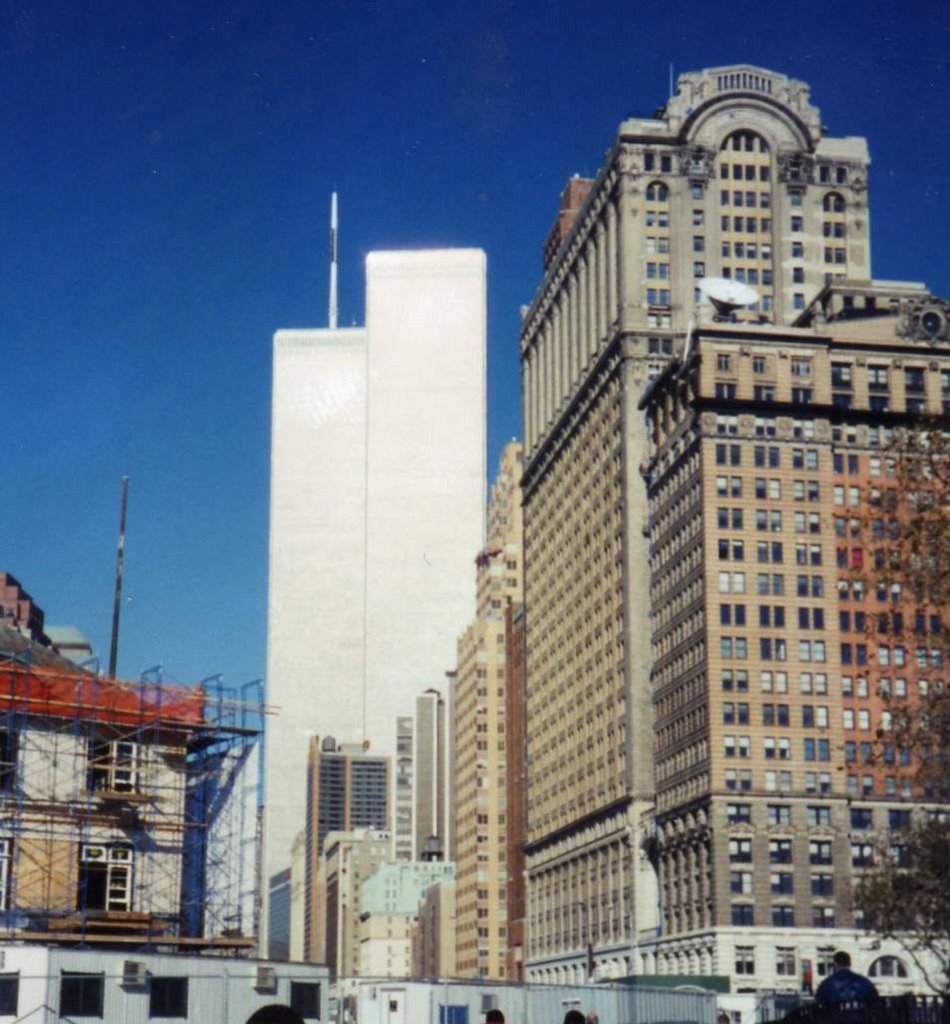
x=83 y=995
x=924 y=657
x=878 y=379
x=781 y=883
x=785 y=964
x=768 y=551
x=771 y=488
x=763 y=200
x=746 y=250
x=746 y=225
x=776 y=682
x=771 y=583
x=772 y=616
x=783 y=916
x=861 y=818
x=855 y=590
x=777 y=748
x=772 y=649
x=775 y=714
x=776 y=781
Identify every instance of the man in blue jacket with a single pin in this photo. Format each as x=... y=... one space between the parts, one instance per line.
x=844 y=985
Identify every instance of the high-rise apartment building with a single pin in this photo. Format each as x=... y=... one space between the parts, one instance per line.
x=347 y=789
x=778 y=654
x=403 y=790
x=431 y=785
x=377 y=500
x=733 y=177
x=480 y=759
x=423 y=787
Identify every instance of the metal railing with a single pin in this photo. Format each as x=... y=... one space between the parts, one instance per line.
x=907 y=1009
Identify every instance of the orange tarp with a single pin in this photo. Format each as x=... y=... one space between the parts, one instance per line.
x=53 y=693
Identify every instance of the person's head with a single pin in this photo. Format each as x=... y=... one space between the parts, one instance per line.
x=574 y=1017
x=841 y=959
x=494 y=1017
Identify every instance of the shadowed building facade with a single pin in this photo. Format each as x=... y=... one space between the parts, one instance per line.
x=481 y=816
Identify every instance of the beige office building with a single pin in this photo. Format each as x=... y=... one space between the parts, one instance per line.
x=480 y=779
x=734 y=177
x=769 y=475
x=350 y=858
x=432 y=795
x=433 y=937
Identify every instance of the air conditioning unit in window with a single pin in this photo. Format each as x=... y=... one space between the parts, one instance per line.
x=266 y=979
x=133 y=972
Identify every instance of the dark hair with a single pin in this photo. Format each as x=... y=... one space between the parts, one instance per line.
x=841 y=959
x=495 y=1017
x=574 y=1017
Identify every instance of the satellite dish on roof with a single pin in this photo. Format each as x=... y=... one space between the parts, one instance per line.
x=727 y=296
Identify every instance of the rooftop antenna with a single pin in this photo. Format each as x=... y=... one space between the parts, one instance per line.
x=727 y=296
x=119 y=565
x=333 y=227
x=671 y=79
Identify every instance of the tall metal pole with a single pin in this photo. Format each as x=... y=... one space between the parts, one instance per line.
x=119 y=565
x=333 y=250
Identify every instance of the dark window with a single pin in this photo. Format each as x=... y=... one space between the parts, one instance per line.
x=743 y=914
x=168 y=997
x=861 y=817
x=80 y=995
x=783 y=917
x=822 y=885
x=9 y=994
x=898 y=820
x=305 y=999
x=782 y=883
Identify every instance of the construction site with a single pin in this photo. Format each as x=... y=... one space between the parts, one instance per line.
x=129 y=811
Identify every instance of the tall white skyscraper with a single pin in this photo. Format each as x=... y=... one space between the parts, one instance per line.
x=377 y=502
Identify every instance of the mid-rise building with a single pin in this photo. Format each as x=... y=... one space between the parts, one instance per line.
x=130 y=809
x=733 y=177
x=350 y=858
x=480 y=758
x=433 y=937
x=377 y=500
x=776 y=658
x=347 y=789
x=385 y=945
x=398 y=888
x=389 y=905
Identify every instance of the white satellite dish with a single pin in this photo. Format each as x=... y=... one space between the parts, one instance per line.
x=727 y=296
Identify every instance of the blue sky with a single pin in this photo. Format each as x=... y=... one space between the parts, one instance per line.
x=166 y=174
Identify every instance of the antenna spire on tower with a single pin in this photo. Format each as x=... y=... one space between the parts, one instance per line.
x=333 y=227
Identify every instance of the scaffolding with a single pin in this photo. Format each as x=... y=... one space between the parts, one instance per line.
x=129 y=811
